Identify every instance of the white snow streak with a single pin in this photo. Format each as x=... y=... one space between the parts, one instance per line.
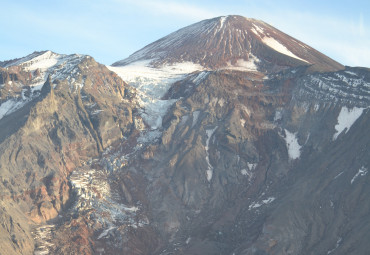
x=105 y=232
x=336 y=245
x=10 y=106
x=263 y=202
x=274 y=44
x=361 y=172
x=338 y=175
x=209 y=172
x=346 y=119
x=195 y=118
x=222 y=21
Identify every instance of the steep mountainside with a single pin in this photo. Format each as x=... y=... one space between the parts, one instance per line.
x=229 y=137
x=233 y=42
x=68 y=109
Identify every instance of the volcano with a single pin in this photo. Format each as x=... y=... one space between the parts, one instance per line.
x=232 y=41
x=225 y=137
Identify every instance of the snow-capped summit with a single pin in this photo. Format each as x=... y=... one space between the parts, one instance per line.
x=24 y=77
x=233 y=42
x=59 y=66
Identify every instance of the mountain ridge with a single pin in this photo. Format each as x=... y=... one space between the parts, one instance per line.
x=262 y=155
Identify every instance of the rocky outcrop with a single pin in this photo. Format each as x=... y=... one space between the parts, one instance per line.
x=71 y=124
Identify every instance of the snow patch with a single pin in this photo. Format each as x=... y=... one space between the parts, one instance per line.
x=154 y=81
x=188 y=240
x=222 y=21
x=274 y=44
x=11 y=106
x=351 y=73
x=244 y=65
x=278 y=115
x=209 y=171
x=294 y=149
x=195 y=118
x=106 y=232
x=251 y=166
x=247 y=173
x=200 y=77
x=153 y=110
x=361 y=172
x=184 y=119
x=339 y=241
x=346 y=118
x=43 y=236
x=263 y=202
x=242 y=122
x=244 y=171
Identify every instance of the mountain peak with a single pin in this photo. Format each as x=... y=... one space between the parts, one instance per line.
x=231 y=41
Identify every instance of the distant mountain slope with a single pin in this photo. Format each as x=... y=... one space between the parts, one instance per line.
x=232 y=41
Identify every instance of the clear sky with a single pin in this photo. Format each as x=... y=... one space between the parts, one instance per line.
x=111 y=30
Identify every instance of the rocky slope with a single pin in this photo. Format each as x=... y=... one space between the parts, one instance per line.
x=197 y=154
x=79 y=109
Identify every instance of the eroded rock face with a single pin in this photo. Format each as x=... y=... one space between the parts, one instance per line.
x=242 y=166
x=67 y=122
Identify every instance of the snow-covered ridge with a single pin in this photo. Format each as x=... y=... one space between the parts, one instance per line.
x=59 y=66
x=47 y=63
x=37 y=61
x=19 y=61
x=349 y=88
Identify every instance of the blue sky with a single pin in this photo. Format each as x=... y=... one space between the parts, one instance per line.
x=110 y=30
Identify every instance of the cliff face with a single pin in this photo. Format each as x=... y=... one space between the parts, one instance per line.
x=242 y=164
x=252 y=163
x=58 y=129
